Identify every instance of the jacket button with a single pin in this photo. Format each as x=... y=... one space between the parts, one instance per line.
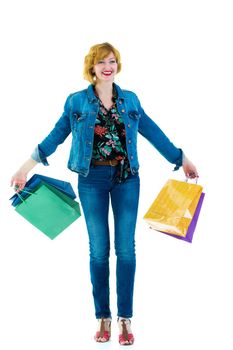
x=129 y=141
x=128 y=125
x=131 y=157
x=123 y=111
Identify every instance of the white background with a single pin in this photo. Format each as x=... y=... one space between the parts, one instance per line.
x=177 y=56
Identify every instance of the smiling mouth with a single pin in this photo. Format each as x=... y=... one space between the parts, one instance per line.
x=107 y=73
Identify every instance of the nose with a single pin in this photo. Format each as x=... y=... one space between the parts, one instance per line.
x=107 y=66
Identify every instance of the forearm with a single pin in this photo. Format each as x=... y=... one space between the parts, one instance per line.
x=151 y=131
x=27 y=166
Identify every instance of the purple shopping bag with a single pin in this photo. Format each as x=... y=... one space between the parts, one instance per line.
x=192 y=226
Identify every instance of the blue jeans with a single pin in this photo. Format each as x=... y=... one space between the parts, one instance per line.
x=95 y=192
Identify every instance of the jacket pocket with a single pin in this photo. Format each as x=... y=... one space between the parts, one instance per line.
x=79 y=116
x=135 y=115
x=78 y=120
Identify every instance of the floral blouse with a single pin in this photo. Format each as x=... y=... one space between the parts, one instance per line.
x=110 y=140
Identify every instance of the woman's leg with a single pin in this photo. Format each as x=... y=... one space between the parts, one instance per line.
x=124 y=199
x=94 y=197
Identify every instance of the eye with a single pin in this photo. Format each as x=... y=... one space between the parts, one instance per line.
x=113 y=61
x=100 y=62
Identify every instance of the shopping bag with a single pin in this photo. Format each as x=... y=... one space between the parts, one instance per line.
x=173 y=209
x=36 y=179
x=192 y=226
x=48 y=209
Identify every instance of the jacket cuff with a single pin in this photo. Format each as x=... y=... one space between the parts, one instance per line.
x=179 y=161
x=38 y=156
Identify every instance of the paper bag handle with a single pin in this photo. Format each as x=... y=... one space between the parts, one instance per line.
x=195 y=179
x=25 y=190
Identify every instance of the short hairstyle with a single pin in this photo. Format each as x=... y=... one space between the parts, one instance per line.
x=95 y=54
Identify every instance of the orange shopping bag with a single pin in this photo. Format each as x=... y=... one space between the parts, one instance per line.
x=174 y=207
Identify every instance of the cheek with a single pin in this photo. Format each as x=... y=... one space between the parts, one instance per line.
x=97 y=70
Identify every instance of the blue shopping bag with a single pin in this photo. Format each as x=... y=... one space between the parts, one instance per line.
x=63 y=186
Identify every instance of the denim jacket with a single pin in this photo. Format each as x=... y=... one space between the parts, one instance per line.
x=79 y=116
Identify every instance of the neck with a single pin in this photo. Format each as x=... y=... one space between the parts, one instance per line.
x=104 y=88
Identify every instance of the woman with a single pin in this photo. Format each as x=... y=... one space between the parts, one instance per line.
x=104 y=121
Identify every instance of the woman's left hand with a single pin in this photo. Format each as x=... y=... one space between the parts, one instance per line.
x=189 y=169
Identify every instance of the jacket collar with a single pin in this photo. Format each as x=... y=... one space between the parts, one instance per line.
x=119 y=92
x=92 y=97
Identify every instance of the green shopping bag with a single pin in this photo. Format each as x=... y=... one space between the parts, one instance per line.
x=48 y=209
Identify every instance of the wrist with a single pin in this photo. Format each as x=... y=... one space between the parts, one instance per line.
x=184 y=158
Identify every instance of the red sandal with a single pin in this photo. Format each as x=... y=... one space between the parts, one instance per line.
x=104 y=333
x=126 y=336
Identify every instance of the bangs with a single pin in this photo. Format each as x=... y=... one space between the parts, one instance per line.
x=103 y=52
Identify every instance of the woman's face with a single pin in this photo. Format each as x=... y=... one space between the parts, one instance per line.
x=106 y=68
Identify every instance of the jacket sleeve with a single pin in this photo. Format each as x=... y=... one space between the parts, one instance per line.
x=151 y=131
x=57 y=136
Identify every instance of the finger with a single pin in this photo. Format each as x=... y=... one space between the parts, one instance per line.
x=19 y=186
x=192 y=175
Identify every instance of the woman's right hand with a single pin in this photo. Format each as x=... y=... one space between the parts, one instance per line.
x=19 y=180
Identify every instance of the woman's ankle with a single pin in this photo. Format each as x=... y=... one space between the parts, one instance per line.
x=125 y=332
